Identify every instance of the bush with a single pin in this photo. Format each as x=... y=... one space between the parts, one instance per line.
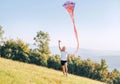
x=16 y=50
x=54 y=62
x=115 y=76
x=37 y=58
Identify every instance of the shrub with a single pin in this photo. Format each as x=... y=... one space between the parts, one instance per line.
x=54 y=62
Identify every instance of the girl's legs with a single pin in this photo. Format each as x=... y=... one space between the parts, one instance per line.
x=66 y=68
x=63 y=69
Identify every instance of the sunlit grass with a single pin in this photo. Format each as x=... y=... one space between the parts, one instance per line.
x=12 y=72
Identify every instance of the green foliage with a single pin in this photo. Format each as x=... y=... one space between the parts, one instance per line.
x=103 y=70
x=1 y=32
x=16 y=50
x=54 y=62
x=115 y=76
x=38 y=58
x=74 y=65
x=42 y=42
x=1 y=36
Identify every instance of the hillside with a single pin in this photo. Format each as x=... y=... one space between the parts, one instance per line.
x=12 y=72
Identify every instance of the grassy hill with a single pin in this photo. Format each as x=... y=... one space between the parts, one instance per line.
x=12 y=72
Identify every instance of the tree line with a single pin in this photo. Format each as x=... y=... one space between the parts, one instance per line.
x=20 y=51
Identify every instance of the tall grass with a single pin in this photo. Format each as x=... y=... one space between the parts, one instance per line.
x=12 y=72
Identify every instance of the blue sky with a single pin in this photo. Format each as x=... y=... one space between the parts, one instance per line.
x=97 y=22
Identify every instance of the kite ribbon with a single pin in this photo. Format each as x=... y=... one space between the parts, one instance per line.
x=70 y=8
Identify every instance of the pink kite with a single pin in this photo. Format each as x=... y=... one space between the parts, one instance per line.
x=70 y=8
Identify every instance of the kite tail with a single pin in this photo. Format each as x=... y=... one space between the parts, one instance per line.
x=76 y=36
x=75 y=31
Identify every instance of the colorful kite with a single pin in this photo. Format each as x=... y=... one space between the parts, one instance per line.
x=70 y=8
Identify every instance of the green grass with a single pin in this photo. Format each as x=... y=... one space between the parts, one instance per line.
x=12 y=72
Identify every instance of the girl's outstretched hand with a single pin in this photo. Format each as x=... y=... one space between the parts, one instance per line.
x=59 y=41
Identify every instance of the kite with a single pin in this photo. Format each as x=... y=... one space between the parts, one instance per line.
x=70 y=8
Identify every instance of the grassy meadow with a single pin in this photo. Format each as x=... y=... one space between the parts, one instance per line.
x=13 y=72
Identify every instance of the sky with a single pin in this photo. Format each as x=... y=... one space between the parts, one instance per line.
x=97 y=22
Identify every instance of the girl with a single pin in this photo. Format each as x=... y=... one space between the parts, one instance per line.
x=64 y=57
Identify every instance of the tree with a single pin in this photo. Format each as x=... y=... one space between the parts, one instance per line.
x=103 y=70
x=115 y=76
x=1 y=34
x=54 y=62
x=37 y=58
x=42 y=42
x=1 y=37
x=16 y=50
